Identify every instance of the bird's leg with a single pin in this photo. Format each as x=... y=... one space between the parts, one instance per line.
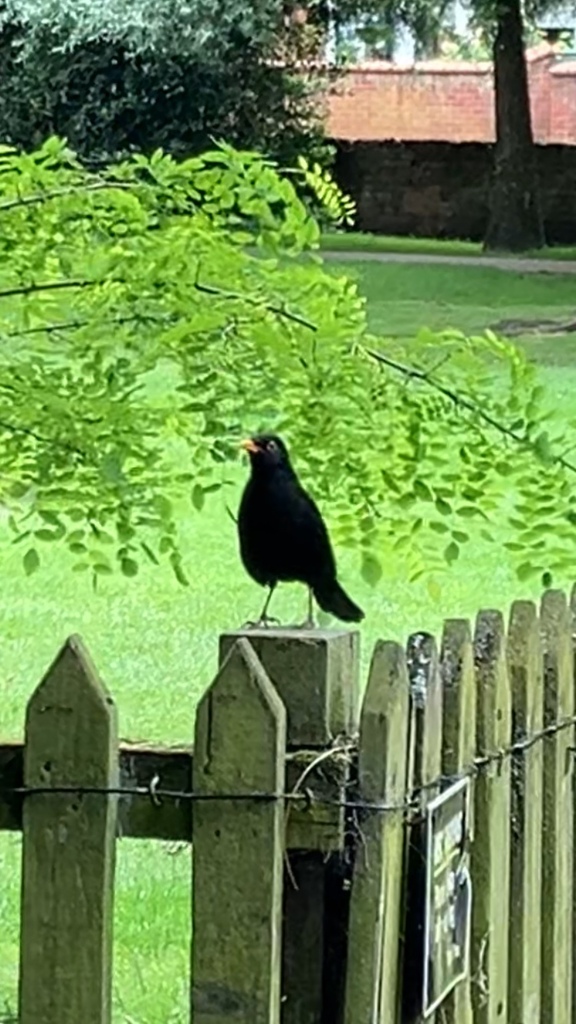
x=264 y=619
x=310 y=624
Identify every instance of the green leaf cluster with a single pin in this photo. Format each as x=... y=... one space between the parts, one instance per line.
x=153 y=313
x=146 y=313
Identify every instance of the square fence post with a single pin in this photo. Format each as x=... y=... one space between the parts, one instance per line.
x=316 y=674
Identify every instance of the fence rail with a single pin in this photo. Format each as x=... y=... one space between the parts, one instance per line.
x=307 y=811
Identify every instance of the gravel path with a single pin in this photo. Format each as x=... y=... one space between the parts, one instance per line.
x=510 y=263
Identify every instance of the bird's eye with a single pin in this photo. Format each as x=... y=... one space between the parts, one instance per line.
x=271 y=446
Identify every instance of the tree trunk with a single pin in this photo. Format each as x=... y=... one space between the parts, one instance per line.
x=515 y=220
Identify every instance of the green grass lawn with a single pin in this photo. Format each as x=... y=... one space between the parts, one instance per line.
x=402 y=298
x=155 y=643
x=364 y=241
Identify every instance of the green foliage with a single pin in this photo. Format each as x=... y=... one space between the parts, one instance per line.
x=152 y=315
x=138 y=335
x=142 y=25
x=118 y=78
x=330 y=204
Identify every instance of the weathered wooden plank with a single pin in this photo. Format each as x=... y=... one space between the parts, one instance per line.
x=524 y=656
x=426 y=766
x=138 y=816
x=318 y=827
x=240 y=746
x=426 y=711
x=459 y=697
x=458 y=749
x=68 y=847
x=316 y=673
x=491 y=846
x=303 y=940
x=557 y=852
x=372 y=981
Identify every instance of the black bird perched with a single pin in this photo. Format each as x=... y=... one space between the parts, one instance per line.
x=282 y=534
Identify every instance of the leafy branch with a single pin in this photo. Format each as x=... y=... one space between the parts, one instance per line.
x=61 y=193
x=170 y=400
x=462 y=402
x=253 y=300
x=76 y=325
x=51 y=442
x=47 y=286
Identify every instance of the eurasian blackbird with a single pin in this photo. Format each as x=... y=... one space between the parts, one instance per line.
x=282 y=534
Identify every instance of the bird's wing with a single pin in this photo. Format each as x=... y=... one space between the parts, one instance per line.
x=309 y=535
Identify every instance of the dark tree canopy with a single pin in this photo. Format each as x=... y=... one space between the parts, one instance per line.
x=116 y=78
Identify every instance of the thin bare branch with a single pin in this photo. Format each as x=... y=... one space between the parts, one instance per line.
x=75 y=325
x=412 y=372
x=60 y=193
x=209 y=289
x=45 y=286
x=28 y=432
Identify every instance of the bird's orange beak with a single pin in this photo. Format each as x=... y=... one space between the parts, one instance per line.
x=249 y=445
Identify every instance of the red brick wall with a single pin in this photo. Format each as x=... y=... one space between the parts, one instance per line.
x=448 y=101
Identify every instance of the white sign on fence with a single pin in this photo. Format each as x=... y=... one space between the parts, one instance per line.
x=448 y=909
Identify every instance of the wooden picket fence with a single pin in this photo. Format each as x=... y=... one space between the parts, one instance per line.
x=305 y=808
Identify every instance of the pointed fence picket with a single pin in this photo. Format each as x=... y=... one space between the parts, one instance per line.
x=307 y=811
x=68 y=846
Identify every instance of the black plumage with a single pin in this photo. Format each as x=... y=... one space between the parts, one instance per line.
x=282 y=534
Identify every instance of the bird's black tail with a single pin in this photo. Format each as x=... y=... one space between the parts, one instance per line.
x=334 y=600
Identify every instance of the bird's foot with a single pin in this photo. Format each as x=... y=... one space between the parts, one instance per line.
x=307 y=624
x=264 y=622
